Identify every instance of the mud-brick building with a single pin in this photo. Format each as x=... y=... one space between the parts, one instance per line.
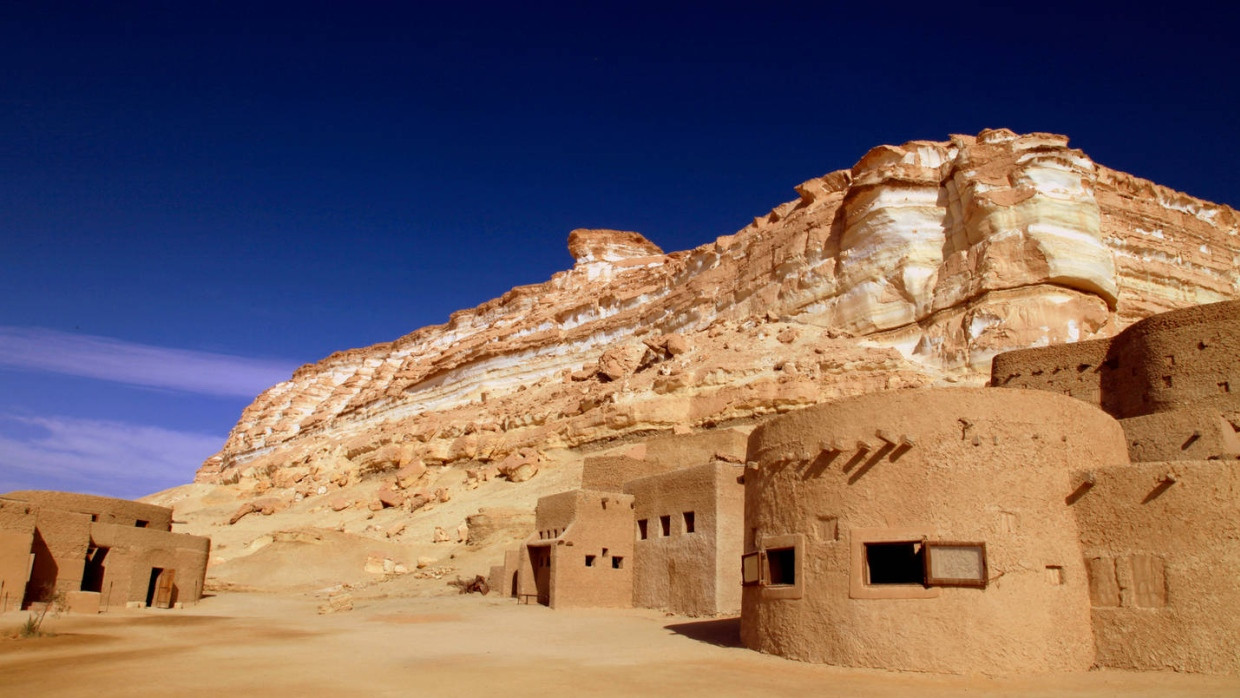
x=582 y=551
x=99 y=551
x=1160 y=536
x=656 y=525
x=923 y=531
x=1172 y=380
x=1083 y=512
x=688 y=539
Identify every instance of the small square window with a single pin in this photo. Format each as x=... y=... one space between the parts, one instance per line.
x=617 y=563
x=665 y=525
x=589 y=560
x=641 y=529
x=781 y=566
x=688 y=522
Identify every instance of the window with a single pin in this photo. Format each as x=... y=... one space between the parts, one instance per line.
x=776 y=568
x=589 y=560
x=641 y=529
x=665 y=525
x=925 y=563
x=894 y=563
x=141 y=524
x=688 y=522
x=904 y=564
x=617 y=563
x=781 y=566
x=955 y=564
x=751 y=570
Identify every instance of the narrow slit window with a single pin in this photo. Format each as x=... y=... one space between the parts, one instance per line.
x=665 y=525
x=688 y=522
x=641 y=529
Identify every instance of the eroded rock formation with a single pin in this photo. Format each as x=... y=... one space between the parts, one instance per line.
x=915 y=266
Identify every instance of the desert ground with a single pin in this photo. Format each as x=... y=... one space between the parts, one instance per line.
x=249 y=643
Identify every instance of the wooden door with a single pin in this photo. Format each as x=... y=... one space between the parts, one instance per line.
x=163 y=589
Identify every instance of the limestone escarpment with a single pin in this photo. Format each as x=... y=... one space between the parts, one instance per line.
x=915 y=266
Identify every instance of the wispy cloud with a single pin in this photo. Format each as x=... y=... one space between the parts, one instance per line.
x=98 y=456
x=139 y=364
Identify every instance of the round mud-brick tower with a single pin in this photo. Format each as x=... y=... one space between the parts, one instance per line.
x=925 y=530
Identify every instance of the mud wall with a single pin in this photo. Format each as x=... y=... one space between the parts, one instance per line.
x=837 y=483
x=102 y=509
x=134 y=552
x=1182 y=359
x=1160 y=543
x=591 y=556
x=16 y=537
x=689 y=531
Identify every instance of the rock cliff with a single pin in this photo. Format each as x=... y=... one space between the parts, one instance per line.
x=915 y=266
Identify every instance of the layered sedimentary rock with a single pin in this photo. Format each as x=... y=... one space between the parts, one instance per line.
x=914 y=267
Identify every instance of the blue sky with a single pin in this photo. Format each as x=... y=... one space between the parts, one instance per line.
x=198 y=198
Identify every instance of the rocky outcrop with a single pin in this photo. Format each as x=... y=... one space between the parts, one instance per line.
x=915 y=266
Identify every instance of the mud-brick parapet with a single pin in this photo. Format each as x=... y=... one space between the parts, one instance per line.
x=845 y=501
x=108 y=510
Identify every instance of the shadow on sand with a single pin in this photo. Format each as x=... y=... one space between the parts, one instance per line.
x=721 y=632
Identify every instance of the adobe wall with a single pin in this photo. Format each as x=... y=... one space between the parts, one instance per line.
x=1176 y=360
x=503 y=578
x=1182 y=359
x=60 y=542
x=133 y=552
x=1163 y=559
x=609 y=472
x=1188 y=434
x=700 y=447
x=1069 y=369
x=105 y=509
x=584 y=523
x=693 y=573
x=971 y=465
x=16 y=536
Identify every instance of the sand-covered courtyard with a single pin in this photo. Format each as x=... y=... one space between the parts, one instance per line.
x=251 y=644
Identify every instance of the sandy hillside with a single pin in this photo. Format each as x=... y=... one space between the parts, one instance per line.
x=309 y=547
